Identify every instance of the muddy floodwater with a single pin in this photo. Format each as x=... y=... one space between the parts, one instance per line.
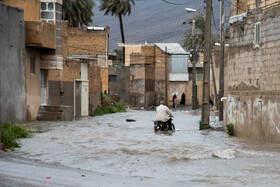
x=110 y=144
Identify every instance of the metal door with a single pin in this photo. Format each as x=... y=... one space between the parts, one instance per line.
x=43 y=89
x=84 y=98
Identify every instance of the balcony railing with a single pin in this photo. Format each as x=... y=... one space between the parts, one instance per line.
x=40 y=34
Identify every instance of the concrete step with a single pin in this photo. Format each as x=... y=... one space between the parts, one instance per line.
x=55 y=113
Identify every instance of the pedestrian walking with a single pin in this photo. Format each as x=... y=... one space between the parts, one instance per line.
x=183 y=99
x=173 y=99
x=175 y=102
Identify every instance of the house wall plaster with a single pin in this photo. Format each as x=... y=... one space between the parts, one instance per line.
x=252 y=77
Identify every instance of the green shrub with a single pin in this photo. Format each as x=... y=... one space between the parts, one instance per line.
x=230 y=129
x=12 y=132
x=108 y=106
x=120 y=107
x=113 y=108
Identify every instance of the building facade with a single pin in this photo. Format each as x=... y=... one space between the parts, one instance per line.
x=85 y=69
x=157 y=71
x=12 y=65
x=252 y=72
x=41 y=52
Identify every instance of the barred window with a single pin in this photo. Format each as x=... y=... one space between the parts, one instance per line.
x=32 y=64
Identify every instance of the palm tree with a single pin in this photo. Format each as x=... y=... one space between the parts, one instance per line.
x=199 y=35
x=78 y=12
x=198 y=40
x=118 y=8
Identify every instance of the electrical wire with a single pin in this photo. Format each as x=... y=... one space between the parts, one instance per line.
x=138 y=59
x=213 y=17
x=177 y=3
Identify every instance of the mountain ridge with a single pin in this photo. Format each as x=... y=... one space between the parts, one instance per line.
x=155 y=21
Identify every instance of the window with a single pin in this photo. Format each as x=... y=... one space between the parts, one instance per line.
x=50 y=6
x=32 y=65
x=43 y=6
x=113 y=78
x=178 y=64
x=199 y=74
x=47 y=12
x=47 y=15
x=257 y=34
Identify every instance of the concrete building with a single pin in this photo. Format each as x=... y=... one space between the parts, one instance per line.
x=12 y=65
x=150 y=65
x=252 y=73
x=85 y=69
x=42 y=51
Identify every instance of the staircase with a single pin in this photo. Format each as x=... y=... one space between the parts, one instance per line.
x=55 y=113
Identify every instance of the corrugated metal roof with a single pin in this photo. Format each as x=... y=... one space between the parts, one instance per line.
x=172 y=48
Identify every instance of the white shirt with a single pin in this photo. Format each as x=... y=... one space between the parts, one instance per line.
x=163 y=113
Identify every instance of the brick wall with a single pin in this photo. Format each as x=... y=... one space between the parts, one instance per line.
x=104 y=79
x=137 y=86
x=131 y=49
x=95 y=85
x=79 y=41
x=252 y=77
x=241 y=6
x=83 y=41
x=160 y=86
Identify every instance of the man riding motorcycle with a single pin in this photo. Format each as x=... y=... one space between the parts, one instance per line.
x=164 y=114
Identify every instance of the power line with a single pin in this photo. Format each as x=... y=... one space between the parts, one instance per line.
x=213 y=18
x=176 y=3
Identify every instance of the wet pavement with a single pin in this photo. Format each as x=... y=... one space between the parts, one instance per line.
x=109 y=144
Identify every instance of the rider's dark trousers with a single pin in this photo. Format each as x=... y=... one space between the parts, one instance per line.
x=169 y=124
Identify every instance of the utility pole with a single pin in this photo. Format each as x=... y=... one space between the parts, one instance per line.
x=194 y=105
x=222 y=51
x=0 y=116
x=166 y=97
x=206 y=68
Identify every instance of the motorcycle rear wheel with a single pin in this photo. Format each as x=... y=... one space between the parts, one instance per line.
x=172 y=127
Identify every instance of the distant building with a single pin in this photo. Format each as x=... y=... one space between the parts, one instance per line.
x=154 y=74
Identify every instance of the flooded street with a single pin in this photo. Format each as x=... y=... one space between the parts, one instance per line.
x=108 y=144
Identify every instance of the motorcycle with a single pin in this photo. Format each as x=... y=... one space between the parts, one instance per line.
x=160 y=126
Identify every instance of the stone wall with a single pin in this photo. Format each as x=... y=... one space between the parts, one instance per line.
x=263 y=4
x=119 y=84
x=252 y=77
x=12 y=65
